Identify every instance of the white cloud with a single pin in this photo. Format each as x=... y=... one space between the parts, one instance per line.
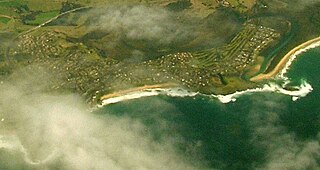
x=144 y=23
x=283 y=149
x=55 y=130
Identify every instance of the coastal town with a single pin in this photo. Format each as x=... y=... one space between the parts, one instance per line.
x=159 y=84
x=83 y=71
x=204 y=70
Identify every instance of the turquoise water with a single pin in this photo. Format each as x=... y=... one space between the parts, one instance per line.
x=259 y=130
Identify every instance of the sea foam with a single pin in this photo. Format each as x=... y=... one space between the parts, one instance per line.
x=173 y=92
x=285 y=69
x=303 y=90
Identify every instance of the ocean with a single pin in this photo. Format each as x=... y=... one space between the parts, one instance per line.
x=265 y=130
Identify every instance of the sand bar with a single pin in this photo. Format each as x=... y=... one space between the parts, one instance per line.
x=284 y=60
x=136 y=89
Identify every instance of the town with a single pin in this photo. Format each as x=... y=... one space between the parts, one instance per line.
x=79 y=69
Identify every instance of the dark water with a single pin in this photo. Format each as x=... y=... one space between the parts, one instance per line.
x=259 y=130
x=263 y=130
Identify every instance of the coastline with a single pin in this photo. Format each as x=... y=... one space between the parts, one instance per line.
x=286 y=61
x=137 y=89
x=172 y=89
x=163 y=89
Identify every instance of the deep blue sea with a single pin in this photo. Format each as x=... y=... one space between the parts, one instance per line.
x=260 y=130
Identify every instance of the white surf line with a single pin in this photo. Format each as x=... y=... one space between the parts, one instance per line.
x=128 y=96
x=292 y=54
x=285 y=69
x=303 y=90
x=174 y=92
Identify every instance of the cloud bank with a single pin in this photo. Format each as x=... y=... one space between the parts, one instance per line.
x=144 y=23
x=41 y=130
x=283 y=149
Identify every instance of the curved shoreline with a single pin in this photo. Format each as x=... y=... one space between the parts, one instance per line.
x=283 y=62
x=162 y=89
x=137 y=89
x=281 y=69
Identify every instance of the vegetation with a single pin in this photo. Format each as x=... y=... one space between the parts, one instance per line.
x=42 y=17
x=4 y=20
x=216 y=46
x=179 y=5
x=12 y=3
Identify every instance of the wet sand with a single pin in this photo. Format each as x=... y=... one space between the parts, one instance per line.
x=259 y=77
x=284 y=61
x=136 y=89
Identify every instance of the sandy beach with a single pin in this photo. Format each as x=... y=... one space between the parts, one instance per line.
x=281 y=65
x=284 y=60
x=145 y=87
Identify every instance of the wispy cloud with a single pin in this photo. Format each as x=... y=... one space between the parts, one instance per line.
x=283 y=149
x=144 y=23
x=48 y=130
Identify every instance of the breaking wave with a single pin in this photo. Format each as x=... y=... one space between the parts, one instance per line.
x=300 y=91
x=173 y=92
x=285 y=69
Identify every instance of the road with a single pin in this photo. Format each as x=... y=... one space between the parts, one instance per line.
x=52 y=19
x=39 y=26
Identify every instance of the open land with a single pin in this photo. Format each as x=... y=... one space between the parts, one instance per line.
x=88 y=57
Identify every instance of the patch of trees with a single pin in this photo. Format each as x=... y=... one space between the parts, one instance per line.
x=67 y=6
x=30 y=16
x=179 y=5
x=22 y=9
x=315 y=17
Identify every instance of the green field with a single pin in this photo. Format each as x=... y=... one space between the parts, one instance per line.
x=12 y=3
x=4 y=20
x=43 y=17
